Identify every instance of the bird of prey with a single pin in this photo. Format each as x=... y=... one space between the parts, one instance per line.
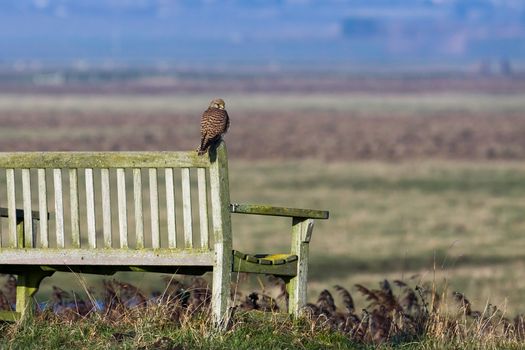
x=214 y=124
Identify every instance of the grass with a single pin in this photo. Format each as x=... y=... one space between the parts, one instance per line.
x=98 y=333
x=396 y=315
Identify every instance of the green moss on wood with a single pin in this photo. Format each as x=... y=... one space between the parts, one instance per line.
x=10 y=316
x=278 y=211
x=242 y=265
x=60 y=160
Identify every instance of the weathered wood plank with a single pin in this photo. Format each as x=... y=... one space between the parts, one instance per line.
x=59 y=207
x=42 y=208
x=106 y=207
x=73 y=206
x=220 y=203
x=17 y=160
x=278 y=211
x=122 y=257
x=122 y=208
x=203 y=207
x=20 y=233
x=11 y=207
x=139 y=218
x=186 y=208
x=90 y=208
x=170 y=208
x=154 y=208
x=26 y=200
x=306 y=233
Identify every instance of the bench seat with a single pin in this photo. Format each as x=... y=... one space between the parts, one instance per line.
x=273 y=264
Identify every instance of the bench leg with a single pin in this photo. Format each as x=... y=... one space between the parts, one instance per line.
x=26 y=287
x=220 y=300
x=296 y=286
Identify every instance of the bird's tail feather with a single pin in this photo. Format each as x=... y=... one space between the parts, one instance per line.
x=203 y=147
x=206 y=143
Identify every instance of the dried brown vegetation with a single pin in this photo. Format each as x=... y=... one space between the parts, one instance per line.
x=393 y=314
x=331 y=135
x=277 y=115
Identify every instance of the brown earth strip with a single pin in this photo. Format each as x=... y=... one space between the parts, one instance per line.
x=288 y=135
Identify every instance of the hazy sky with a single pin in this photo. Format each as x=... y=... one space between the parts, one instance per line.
x=266 y=31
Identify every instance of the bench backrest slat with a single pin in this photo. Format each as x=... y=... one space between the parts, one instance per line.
x=170 y=208
x=59 y=208
x=26 y=198
x=108 y=200
x=42 y=208
x=106 y=207
x=74 y=209
x=154 y=208
x=137 y=203
x=203 y=207
x=122 y=208
x=11 y=207
x=186 y=208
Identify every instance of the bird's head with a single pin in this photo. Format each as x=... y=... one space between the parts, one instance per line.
x=217 y=103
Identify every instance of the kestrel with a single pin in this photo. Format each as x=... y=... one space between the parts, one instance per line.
x=214 y=123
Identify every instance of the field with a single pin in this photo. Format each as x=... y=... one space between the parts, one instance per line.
x=338 y=127
x=426 y=187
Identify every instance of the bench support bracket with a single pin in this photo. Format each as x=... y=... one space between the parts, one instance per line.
x=26 y=287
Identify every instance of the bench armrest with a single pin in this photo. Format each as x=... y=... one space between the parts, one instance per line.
x=278 y=211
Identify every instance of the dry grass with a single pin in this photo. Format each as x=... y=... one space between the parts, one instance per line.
x=398 y=313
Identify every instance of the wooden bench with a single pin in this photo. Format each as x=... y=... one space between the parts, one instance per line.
x=134 y=211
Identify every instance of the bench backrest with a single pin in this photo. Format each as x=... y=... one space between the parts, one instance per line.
x=113 y=200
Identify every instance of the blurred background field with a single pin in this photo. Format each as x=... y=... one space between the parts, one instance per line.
x=422 y=187
x=415 y=143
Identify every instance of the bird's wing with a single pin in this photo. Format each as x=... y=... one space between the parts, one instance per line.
x=205 y=115
x=227 y=121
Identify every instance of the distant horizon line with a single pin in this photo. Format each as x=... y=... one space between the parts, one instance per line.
x=485 y=66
